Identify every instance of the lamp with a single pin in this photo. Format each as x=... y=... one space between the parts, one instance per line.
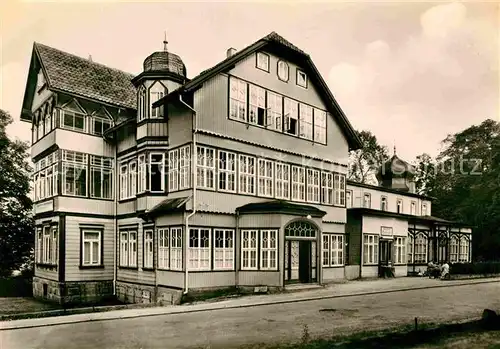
x=308 y=216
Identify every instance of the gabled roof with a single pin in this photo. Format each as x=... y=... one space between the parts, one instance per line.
x=277 y=41
x=79 y=76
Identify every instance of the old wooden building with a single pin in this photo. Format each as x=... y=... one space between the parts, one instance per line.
x=150 y=186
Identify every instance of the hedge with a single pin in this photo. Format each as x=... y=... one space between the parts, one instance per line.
x=478 y=268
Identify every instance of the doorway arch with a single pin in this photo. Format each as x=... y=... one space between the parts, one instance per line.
x=300 y=265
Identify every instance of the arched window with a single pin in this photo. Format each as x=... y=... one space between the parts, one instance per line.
x=156 y=92
x=301 y=229
x=420 y=248
x=453 y=249
x=141 y=103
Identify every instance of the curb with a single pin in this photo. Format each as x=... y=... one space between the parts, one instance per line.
x=224 y=307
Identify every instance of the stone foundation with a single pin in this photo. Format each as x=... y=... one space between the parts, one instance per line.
x=145 y=294
x=72 y=292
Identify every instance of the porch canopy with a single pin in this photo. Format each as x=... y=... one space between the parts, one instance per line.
x=281 y=206
x=165 y=206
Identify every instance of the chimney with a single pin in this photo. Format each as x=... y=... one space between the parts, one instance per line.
x=231 y=51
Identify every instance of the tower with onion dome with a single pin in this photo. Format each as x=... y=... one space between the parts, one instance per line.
x=397 y=174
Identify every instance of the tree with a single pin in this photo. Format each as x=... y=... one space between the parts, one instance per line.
x=364 y=163
x=16 y=221
x=425 y=174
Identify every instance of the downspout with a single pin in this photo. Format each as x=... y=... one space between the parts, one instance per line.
x=194 y=156
x=115 y=221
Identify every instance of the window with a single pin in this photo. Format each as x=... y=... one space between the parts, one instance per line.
x=320 y=126
x=282 y=181
x=39 y=245
x=48 y=122
x=410 y=249
x=128 y=249
x=306 y=121
x=348 y=199
x=223 y=249
x=184 y=173
x=312 y=185
x=413 y=207
x=163 y=248
x=333 y=250
x=263 y=61
x=420 y=250
x=298 y=183
x=400 y=249
x=227 y=171
x=45 y=176
x=327 y=188
x=91 y=247
x=199 y=249
x=370 y=249
x=269 y=250
x=173 y=170
x=72 y=120
x=176 y=248
x=141 y=178
x=464 y=250
x=265 y=177
x=291 y=117
x=339 y=187
x=74 y=173
x=148 y=249
x=399 y=207
x=453 y=249
x=257 y=106
x=99 y=124
x=205 y=168
x=141 y=103
x=301 y=78
x=383 y=203
x=123 y=181
x=274 y=111
x=156 y=172
x=249 y=249
x=101 y=177
x=424 y=209
x=46 y=249
x=157 y=91
x=54 y=118
x=237 y=99
x=367 y=201
x=247 y=174
x=47 y=246
x=283 y=71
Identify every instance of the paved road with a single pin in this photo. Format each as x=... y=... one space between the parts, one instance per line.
x=229 y=328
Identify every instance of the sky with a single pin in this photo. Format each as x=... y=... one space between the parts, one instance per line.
x=409 y=72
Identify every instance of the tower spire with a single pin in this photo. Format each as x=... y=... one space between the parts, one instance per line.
x=165 y=42
x=394 y=147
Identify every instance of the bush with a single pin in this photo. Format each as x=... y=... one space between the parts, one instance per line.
x=478 y=268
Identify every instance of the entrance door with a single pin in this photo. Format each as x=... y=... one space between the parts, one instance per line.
x=305 y=261
x=385 y=252
x=299 y=263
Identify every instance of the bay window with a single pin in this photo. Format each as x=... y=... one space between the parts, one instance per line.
x=184 y=173
x=265 y=177
x=370 y=249
x=156 y=92
x=132 y=178
x=101 y=177
x=282 y=181
x=227 y=171
x=205 y=168
x=223 y=249
x=46 y=177
x=74 y=173
x=199 y=249
x=312 y=185
x=298 y=183
x=91 y=248
x=247 y=174
x=141 y=103
x=237 y=99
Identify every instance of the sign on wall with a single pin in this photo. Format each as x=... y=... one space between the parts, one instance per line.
x=386 y=231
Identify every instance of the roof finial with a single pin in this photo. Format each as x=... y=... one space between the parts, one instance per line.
x=165 y=42
x=90 y=58
x=394 y=147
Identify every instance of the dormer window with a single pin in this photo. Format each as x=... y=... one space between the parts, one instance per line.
x=283 y=71
x=156 y=92
x=301 y=78
x=263 y=61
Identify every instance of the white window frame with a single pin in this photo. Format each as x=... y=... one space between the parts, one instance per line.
x=301 y=75
x=249 y=249
x=103 y=120
x=410 y=249
x=141 y=103
x=265 y=175
x=256 y=101
x=224 y=254
x=454 y=249
x=333 y=250
x=348 y=199
x=148 y=249
x=313 y=185
x=91 y=242
x=283 y=71
x=238 y=91
x=339 y=189
x=306 y=121
x=132 y=248
x=200 y=257
x=176 y=257
x=78 y=162
x=327 y=192
x=400 y=250
x=263 y=61
x=367 y=200
x=132 y=179
x=47 y=245
x=384 y=203
x=55 y=236
x=123 y=248
x=205 y=164
x=268 y=249
x=298 y=179
x=420 y=249
x=123 y=181
x=274 y=111
x=463 y=256
x=163 y=248
x=173 y=170
x=184 y=166
x=282 y=181
x=141 y=173
x=153 y=97
x=74 y=115
x=226 y=179
x=101 y=166
x=291 y=112
x=370 y=249
x=162 y=171
x=247 y=174
x=39 y=245
x=320 y=119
